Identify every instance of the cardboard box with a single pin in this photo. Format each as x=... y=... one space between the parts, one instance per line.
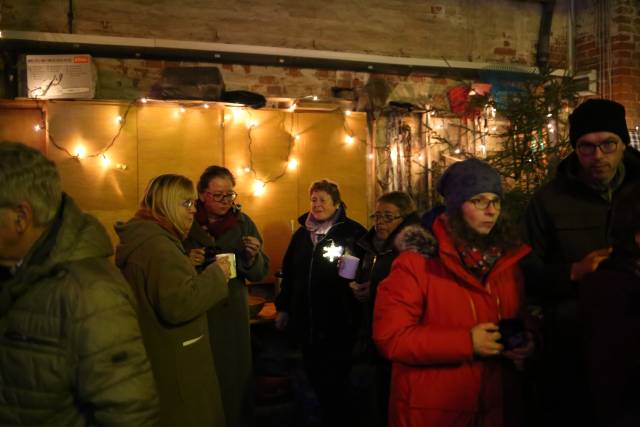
x=60 y=77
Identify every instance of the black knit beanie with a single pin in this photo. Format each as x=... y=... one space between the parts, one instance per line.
x=463 y=180
x=598 y=115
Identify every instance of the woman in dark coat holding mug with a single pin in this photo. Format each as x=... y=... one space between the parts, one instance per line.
x=315 y=304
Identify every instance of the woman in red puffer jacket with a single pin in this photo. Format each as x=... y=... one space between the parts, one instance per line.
x=437 y=317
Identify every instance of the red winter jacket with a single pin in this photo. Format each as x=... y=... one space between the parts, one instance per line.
x=424 y=313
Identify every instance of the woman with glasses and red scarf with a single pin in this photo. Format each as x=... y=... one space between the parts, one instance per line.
x=221 y=227
x=450 y=315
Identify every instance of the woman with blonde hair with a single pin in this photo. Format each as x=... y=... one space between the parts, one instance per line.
x=173 y=300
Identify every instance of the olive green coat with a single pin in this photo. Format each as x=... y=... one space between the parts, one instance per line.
x=173 y=300
x=229 y=319
x=71 y=352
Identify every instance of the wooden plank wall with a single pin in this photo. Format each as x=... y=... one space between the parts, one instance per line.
x=157 y=138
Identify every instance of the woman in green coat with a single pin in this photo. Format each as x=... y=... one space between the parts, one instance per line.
x=220 y=227
x=172 y=302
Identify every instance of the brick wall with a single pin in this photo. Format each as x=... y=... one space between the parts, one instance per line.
x=498 y=31
x=609 y=42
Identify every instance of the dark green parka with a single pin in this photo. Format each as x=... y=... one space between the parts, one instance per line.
x=173 y=300
x=229 y=319
x=71 y=353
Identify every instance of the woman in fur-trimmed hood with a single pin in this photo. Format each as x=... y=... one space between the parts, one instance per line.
x=436 y=315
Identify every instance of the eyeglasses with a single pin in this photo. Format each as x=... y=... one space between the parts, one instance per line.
x=483 y=203
x=607 y=147
x=189 y=203
x=386 y=217
x=218 y=197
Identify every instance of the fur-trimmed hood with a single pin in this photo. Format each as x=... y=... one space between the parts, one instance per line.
x=416 y=238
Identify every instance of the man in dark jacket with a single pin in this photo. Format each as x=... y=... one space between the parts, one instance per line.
x=567 y=224
x=70 y=345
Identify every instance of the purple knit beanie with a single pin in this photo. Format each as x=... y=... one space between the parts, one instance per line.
x=598 y=115
x=463 y=180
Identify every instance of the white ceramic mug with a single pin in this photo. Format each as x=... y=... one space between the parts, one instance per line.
x=348 y=266
x=231 y=257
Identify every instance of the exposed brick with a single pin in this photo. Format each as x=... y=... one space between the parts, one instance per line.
x=621 y=19
x=247 y=69
x=622 y=45
x=152 y=63
x=267 y=80
x=322 y=74
x=274 y=90
x=586 y=46
x=504 y=51
x=626 y=28
x=228 y=67
x=620 y=38
x=294 y=72
x=622 y=54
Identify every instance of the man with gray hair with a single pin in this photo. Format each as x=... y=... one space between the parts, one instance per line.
x=71 y=353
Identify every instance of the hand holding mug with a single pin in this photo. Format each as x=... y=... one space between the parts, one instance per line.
x=360 y=290
x=484 y=337
x=196 y=256
x=251 y=246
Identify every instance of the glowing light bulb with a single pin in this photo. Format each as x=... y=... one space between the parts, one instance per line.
x=293 y=107
x=118 y=119
x=251 y=124
x=296 y=137
x=493 y=129
x=258 y=188
x=105 y=160
x=240 y=171
x=80 y=152
x=394 y=155
x=182 y=110
x=421 y=157
x=315 y=98
x=144 y=100
x=247 y=169
x=349 y=139
x=472 y=92
x=347 y=113
x=206 y=106
x=549 y=115
x=37 y=128
x=237 y=113
x=457 y=151
x=370 y=156
x=293 y=164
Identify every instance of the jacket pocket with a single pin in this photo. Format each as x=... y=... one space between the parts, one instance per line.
x=444 y=387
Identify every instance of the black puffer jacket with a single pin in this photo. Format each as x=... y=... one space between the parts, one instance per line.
x=71 y=353
x=320 y=304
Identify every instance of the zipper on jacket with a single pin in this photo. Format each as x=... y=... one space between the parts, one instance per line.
x=313 y=255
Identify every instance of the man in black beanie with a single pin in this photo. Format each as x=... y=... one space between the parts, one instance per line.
x=567 y=226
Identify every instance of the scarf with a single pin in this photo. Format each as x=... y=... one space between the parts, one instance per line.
x=317 y=230
x=222 y=225
x=478 y=262
x=144 y=213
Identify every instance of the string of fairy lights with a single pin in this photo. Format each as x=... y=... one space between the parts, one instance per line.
x=232 y=115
